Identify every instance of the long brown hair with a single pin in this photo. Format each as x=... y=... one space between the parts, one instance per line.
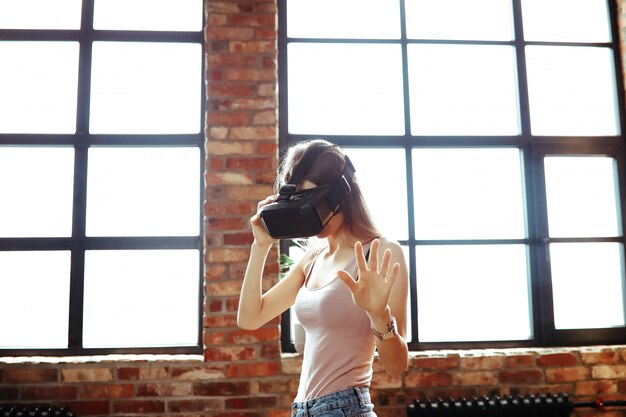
x=326 y=169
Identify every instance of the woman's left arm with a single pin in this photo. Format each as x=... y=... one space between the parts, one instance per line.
x=394 y=352
x=382 y=291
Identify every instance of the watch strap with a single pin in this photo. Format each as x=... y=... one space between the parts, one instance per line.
x=391 y=332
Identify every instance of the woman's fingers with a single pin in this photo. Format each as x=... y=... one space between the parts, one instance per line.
x=388 y=272
x=394 y=274
x=269 y=199
x=373 y=259
x=256 y=218
x=347 y=278
x=360 y=258
x=259 y=232
x=384 y=268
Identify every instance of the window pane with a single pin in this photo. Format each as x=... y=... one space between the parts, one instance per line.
x=582 y=196
x=382 y=176
x=145 y=88
x=566 y=20
x=589 y=275
x=360 y=94
x=459 y=19
x=371 y=19
x=463 y=90
x=468 y=194
x=472 y=293
x=35 y=181
x=40 y=14
x=571 y=91
x=142 y=285
x=35 y=288
x=38 y=98
x=174 y=15
x=143 y=192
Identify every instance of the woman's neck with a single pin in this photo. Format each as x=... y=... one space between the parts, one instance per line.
x=340 y=242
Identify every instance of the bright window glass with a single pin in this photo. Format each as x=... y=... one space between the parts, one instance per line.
x=587 y=285
x=141 y=284
x=468 y=194
x=39 y=14
x=382 y=176
x=371 y=19
x=35 y=288
x=472 y=117
x=472 y=293
x=463 y=90
x=566 y=20
x=360 y=93
x=459 y=19
x=146 y=88
x=172 y=15
x=143 y=191
x=38 y=98
x=582 y=196
x=36 y=185
x=572 y=91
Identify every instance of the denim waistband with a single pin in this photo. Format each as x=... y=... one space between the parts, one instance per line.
x=351 y=396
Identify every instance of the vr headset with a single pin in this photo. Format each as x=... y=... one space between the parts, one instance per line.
x=304 y=213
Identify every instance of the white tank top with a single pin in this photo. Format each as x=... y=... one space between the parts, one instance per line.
x=339 y=345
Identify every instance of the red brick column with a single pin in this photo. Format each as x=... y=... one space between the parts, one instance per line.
x=242 y=147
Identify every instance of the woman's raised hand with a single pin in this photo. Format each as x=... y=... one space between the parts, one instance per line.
x=372 y=289
x=261 y=237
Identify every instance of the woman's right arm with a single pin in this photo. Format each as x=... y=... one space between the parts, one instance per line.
x=256 y=308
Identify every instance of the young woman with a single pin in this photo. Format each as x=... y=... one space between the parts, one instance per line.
x=350 y=294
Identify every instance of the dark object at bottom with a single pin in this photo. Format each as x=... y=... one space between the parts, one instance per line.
x=35 y=410
x=544 y=405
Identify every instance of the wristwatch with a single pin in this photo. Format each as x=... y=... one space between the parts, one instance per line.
x=391 y=332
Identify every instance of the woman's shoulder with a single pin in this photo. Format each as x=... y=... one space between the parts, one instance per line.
x=398 y=254
x=397 y=251
x=299 y=270
x=309 y=257
x=386 y=242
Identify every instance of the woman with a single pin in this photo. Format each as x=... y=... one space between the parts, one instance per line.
x=350 y=295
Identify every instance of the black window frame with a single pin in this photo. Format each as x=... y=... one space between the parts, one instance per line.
x=533 y=149
x=81 y=141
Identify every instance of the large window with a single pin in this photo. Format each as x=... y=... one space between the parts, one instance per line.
x=101 y=154
x=489 y=138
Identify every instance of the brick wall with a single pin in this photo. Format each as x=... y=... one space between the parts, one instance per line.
x=243 y=373
x=243 y=376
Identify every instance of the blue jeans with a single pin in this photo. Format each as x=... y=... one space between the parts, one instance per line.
x=352 y=402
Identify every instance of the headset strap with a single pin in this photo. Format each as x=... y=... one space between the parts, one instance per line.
x=299 y=171
x=342 y=186
x=348 y=170
x=305 y=164
x=303 y=167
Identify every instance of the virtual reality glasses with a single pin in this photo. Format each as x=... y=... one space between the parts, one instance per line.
x=304 y=213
